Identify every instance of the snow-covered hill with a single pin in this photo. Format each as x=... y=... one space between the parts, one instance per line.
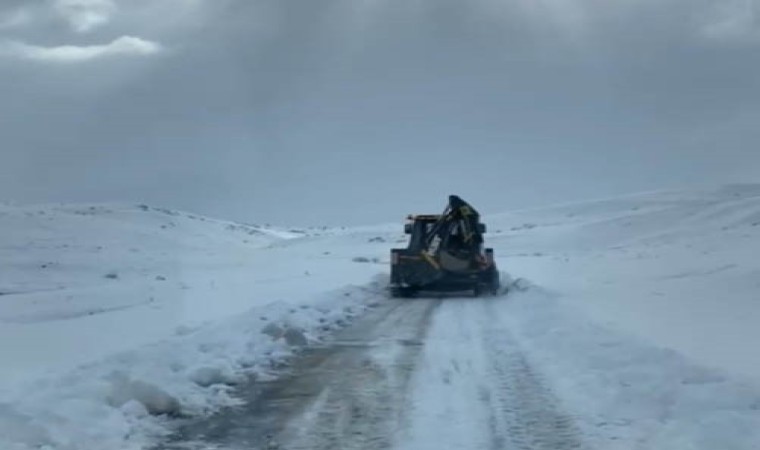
x=679 y=269
x=103 y=304
x=643 y=315
x=113 y=267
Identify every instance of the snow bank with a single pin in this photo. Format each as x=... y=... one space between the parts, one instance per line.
x=123 y=402
x=625 y=392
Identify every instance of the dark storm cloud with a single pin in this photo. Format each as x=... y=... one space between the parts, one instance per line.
x=359 y=110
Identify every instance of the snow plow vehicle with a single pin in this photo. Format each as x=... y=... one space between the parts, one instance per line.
x=445 y=254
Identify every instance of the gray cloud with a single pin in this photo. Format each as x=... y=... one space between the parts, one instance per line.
x=359 y=110
x=85 y=15
x=736 y=21
x=14 y=18
x=125 y=45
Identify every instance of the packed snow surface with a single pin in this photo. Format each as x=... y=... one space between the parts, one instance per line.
x=639 y=325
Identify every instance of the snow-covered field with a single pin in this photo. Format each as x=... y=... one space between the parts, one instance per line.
x=678 y=269
x=641 y=322
x=108 y=310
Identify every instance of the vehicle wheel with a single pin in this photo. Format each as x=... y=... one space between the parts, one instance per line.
x=477 y=291
x=402 y=292
x=494 y=285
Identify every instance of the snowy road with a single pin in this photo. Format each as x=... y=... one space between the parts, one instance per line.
x=637 y=330
x=419 y=374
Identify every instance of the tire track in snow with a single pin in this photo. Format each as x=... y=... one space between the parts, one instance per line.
x=361 y=406
x=525 y=415
x=413 y=375
x=345 y=395
x=475 y=389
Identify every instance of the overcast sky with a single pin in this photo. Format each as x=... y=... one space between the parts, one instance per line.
x=359 y=111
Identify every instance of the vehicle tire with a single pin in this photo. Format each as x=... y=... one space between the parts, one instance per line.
x=495 y=285
x=403 y=292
